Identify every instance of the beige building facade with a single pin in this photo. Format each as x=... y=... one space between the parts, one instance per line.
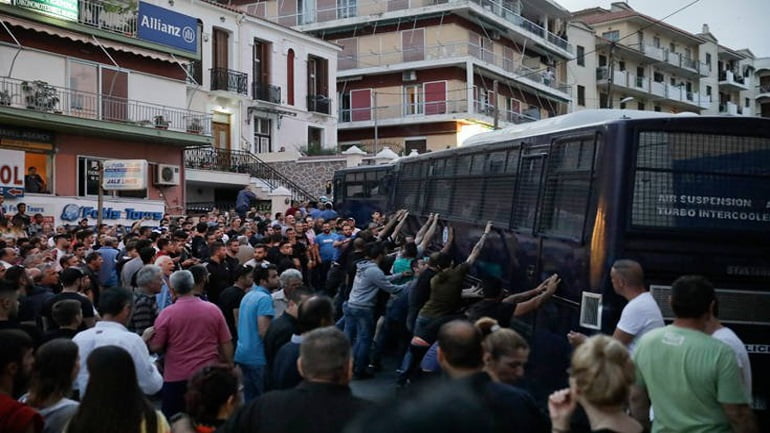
x=425 y=75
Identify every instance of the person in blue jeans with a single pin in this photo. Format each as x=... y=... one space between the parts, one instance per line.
x=254 y=317
x=359 y=310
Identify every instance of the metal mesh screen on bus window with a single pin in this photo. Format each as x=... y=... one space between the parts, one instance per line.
x=439 y=195
x=701 y=181
x=498 y=200
x=735 y=306
x=525 y=204
x=466 y=202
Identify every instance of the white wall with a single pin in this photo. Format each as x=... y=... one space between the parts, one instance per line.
x=33 y=65
x=156 y=90
x=583 y=75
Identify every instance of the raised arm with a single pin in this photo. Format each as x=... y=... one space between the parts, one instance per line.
x=425 y=241
x=421 y=233
x=400 y=225
x=479 y=245
x=545 y=289
x=389 y=225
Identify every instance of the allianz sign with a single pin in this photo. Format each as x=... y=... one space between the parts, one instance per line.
x=167 y=27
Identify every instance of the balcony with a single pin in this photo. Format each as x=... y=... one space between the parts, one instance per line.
x=362 y=11
x=114 y=17
x=229 y=81
x=319 y=104
x=645 y=87
x=732 y=81
x=266 y=92
x=537 y=77
x=763 y=94
x=728 y=108
x=42 y=97
x=423 y=112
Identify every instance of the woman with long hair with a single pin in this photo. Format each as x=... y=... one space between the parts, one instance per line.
x=113 y=401
x=56 y=366
x=505 y=351
x=212 y=396
x=601 y=376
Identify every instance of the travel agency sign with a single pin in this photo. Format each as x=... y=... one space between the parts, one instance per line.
x=163 y=26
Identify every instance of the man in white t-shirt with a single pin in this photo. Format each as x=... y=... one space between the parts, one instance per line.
x=640 y=315
x=726 y=335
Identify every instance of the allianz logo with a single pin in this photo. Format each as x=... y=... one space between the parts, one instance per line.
x=186 y=32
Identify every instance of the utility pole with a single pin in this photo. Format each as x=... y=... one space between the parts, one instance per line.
x=100 y=198
x=376 y=129
x=494 y=105
x=611 y=74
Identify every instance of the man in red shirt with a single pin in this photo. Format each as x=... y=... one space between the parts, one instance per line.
x=193 y=334
x=16 y=361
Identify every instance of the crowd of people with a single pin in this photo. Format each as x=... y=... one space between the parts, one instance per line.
x=241 y=322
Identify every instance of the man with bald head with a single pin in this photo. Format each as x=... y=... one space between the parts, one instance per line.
x=640 y=315
x=462 y=358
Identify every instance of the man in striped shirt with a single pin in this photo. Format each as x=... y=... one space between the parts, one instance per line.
x=149 y=280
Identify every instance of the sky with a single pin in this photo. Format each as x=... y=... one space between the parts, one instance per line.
x=736 y=24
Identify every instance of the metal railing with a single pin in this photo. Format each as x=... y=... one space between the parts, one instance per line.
x=240 y=161
x=266 y=92
x=540 y=75
x=40 y=96
x=112 y=16
x=229 y=80
x=319 y=104
x=344 y=10
x=731 y=77
x=648 y=85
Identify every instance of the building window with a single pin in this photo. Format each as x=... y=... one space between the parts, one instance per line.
x=613 y=35
x=581 y=56
x=346 y=8
x=602 y=100
x=318 y=85
x=602 y=60
x=88 y=180
x=413 y=100
x=99 y=92
x=672 y=47
x=290 y=77
x=260 y=68
x=657 y=108
x=419 y=145
x=708 y=60
x=658 y=77
x=747 y=103
x=622 y=105
x=621 y=66
x=708 y=91
x=640 y=106
x=581 y=96
x=262 y=141
x=656 y=42
x=413 y=45
x=38 y=163
x=314 y=139
x=687 y=53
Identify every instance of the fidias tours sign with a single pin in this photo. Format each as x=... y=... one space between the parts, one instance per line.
x=167 y=27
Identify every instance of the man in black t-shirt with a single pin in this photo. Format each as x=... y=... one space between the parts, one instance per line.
x=230 y=298
x=74 y=282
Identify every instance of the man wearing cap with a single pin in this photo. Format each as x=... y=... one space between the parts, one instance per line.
x=73 y=281
x=328 y=213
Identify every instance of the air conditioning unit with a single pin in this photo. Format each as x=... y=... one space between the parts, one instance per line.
x=166 y=174
x=409 y=76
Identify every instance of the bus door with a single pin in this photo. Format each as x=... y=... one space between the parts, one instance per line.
x=524 y=216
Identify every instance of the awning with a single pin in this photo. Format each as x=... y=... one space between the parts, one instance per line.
x=87 y=39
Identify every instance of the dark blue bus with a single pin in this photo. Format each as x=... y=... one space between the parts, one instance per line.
x=681 y=194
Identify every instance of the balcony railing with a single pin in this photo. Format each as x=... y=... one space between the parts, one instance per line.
x=420 y=110
x=731 y=77
x=115 y=17
x=319 y=104
x=266 y=92
x=540 y=75
x=239 y=161
x=363 y=8
x=624 y=79
x=229 y=80
x=41 y=96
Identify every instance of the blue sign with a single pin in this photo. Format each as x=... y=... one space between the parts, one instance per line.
x=167 y=27
x=73 y=212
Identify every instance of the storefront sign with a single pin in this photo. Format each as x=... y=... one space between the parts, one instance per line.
x=125 y=175
x=65 y=9
x=167 y=27
x=70 y=210
x=12 y=173
x=19 y=134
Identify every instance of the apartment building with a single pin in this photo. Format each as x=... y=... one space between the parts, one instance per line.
x=269 y=91
x=426 y=74
x=86 y=81
x=636 y=62
x=762 y=94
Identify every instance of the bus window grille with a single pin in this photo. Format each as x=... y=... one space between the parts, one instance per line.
x=591 y=310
